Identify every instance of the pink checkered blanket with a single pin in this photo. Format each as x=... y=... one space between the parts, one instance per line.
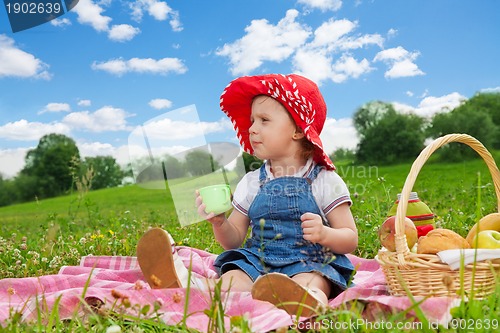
x=99 y=280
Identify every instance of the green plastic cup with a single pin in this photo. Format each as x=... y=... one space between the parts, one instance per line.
x=217 y=198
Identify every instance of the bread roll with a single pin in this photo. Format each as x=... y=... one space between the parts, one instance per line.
x=439 y=240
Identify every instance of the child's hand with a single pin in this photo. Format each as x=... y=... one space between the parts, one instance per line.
x=312 y=226
x=216 y=220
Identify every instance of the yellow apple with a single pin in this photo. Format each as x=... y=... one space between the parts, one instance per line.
x=488 y=222
x=488 y=239
x=387 y=233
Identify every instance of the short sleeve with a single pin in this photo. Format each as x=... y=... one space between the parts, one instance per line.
x=330 y=191
x=246 y=191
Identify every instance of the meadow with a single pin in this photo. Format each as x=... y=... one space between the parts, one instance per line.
x=38 y=237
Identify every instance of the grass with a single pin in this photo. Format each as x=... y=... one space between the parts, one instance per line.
x=39 y=237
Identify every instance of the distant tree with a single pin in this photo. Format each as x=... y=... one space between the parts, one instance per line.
x=174 y=168
x=343 y=154
x=49 y=163
x=146 y=170
x=387 y=136
x=481 y=104
x=486 y=102
x=107 y=173
x=369 y=115
x=200 y=163
x=463 y=120
x=24 y=188
x=5 y=195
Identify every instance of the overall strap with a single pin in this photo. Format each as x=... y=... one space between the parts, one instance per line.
x=314 y=173
x=262 y=174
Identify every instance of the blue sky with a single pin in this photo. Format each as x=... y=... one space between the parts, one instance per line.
x=106 y=67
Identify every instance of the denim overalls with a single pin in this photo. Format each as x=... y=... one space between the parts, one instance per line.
x=276 y=243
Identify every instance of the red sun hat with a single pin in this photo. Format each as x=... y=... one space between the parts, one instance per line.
x=299 y=95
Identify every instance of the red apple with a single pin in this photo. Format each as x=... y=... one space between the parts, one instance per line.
x=387 y=233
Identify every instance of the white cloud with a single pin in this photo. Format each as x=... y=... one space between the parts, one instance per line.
x=168 y=129
x=400 y=62
x=316 y=65
x=319 y=66
x=430 y=105
x=404 y=68
x=328 y=56
x=333 y=35
x=160 y=103
x=425 y=93
x=12 y=161
x=123 y=32
x=60 y=22
x=23 y=130
x=392 y=33
x=90 y=13
x=330 y=32
x=490 y=90
x=393 y=54
x=159 y=10
x=84 y=102
x=15 y=62
x=323 y=5
x=106 y=118
x=357 y=42
x=338 y=133
x=137 y=65
x=93 y=149
x=175 y=22
x=347 y=66
x=265 y=42
x=56 y=107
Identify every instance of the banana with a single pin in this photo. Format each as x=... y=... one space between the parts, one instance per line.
x=488 y=222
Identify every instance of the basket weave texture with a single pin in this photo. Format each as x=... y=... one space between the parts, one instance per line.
x=425 y=274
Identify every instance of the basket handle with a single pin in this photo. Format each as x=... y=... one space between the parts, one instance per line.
x=400 y=238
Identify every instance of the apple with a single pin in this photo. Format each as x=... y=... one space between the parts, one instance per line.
x=487 y=239
x=387 y=233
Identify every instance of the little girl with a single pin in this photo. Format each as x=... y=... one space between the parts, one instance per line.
x=296 y=205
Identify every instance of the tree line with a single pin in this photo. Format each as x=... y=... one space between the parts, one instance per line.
x=54 y=168
x=386 y=136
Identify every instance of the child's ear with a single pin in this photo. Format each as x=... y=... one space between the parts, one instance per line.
x=299 y=134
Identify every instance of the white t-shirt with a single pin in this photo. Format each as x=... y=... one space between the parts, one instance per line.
x=329 y=190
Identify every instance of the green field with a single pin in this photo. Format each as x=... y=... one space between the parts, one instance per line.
x=110 y=221
x=456 y=192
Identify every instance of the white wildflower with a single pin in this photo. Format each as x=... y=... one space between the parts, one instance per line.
x=114 y=329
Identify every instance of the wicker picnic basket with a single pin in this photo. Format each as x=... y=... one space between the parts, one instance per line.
x=425 y=274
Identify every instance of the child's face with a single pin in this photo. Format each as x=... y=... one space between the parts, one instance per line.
x=272 y=131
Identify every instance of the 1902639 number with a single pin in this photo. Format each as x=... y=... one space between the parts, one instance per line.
x=474 y=324
x=33 y=8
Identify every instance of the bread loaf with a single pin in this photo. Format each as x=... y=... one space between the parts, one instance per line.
x=439 y=240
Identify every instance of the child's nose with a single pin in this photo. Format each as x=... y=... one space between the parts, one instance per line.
x=253 y=129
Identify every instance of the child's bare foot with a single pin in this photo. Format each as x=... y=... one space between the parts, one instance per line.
x=159 y=261
x=285 y=293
